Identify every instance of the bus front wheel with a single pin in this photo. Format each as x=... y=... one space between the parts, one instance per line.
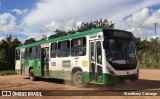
x=31 y=75
x=78 y=79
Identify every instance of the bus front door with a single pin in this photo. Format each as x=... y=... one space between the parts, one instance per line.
x=45 y=62
x=96 y=72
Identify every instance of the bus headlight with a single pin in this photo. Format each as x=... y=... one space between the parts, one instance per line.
x=110 y=71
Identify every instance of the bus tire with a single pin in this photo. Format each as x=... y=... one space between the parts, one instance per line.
x=31 y=75
x=78 y=80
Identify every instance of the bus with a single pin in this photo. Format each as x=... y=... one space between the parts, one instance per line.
x=99 y=56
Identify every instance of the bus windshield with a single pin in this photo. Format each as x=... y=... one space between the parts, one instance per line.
x=120 y=51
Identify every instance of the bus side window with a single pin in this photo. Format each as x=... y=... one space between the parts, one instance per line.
x=63 y=48
x=18 y=55
x=78 y=46
x=29 y=53
x=38 y=51
x=53 y=50
x=34 y=52
x=26 y=53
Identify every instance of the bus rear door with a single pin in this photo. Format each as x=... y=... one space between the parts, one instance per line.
x=45 y=62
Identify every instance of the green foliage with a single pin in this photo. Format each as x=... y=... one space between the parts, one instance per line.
x=84 y=27
x=7 y=72
x=95 y=24
x=29 y=41
x=58 y=33
x=44 y=37
x=149 y=60
x=148 y=53
x=7 y=52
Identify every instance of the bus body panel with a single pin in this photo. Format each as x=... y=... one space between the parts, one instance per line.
x=61 y=67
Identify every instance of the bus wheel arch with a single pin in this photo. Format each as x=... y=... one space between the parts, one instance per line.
x=31 y=74
x=77 y=78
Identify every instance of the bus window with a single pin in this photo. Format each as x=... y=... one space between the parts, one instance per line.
x=53 y=50
x=27 y=53
x=33 y=52
x=99 y=52
x=18 y=55
x=63 y=48
x=30 y=50
x=78 y=46
x=38 y=51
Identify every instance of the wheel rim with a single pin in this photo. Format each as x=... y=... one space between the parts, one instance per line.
x=79 y=79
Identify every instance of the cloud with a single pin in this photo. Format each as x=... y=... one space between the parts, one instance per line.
x=7 y=22
x=137 y=19
x=20 y=12
x=141 y=23
x=137 y=31
x=49 y=15
x=154 y=18
x=1 y=38
x=48 y=10
x=51 y=27
x=69 y=24
x=142 y=18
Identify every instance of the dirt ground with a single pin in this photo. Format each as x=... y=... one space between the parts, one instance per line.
x=148 y=80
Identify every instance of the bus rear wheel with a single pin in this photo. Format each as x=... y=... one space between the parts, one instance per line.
x=78 y=80
x=31 y=75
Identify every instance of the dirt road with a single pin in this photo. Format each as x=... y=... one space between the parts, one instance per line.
x=148 y=80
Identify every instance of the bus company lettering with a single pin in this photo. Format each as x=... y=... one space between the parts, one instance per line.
x=19 y=93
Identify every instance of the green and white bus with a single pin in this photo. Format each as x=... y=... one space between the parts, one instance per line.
x=100 y=56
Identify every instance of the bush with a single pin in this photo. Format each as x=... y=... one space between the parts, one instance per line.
x=7 y=72
x=148 y=60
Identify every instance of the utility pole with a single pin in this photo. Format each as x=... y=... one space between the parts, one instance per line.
x=155 y=24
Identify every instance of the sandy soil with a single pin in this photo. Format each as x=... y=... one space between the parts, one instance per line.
x=148 y=80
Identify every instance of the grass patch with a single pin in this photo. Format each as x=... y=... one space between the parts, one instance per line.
x=149 y=60
x=7 y=72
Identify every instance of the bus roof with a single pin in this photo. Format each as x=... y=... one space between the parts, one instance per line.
x=78 y=34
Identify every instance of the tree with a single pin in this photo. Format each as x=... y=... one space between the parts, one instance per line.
x=16 y=42
x=29 y=41
x=58 y=33
x=84 y=27
x=7 y=52
x=146 y=50
x=95 y=24
x=44 y=37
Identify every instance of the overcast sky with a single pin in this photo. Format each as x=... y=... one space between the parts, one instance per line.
x=34 y=18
